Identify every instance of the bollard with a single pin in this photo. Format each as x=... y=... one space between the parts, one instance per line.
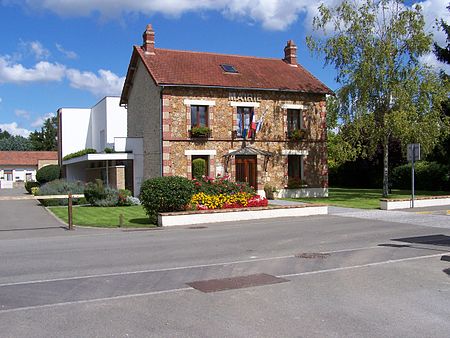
x=69 y=209
x=120 y=220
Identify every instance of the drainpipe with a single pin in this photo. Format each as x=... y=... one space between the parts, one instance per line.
x=161 y=130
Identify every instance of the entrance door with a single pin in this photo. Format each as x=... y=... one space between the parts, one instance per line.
x=246 y=170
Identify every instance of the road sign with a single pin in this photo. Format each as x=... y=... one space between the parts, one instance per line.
x=413 y=148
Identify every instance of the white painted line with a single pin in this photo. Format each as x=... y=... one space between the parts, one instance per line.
x=175 y=268
x=361 y=265
x=95 y=300
x=191 y=289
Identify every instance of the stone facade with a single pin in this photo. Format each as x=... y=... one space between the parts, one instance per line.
x=144 y=119
x=178 y=148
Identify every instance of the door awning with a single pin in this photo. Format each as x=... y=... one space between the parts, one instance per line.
x=246 y=151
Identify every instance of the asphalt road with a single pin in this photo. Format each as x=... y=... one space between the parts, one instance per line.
x=375 y=278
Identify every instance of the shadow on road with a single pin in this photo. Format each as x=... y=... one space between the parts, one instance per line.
x=441 y=240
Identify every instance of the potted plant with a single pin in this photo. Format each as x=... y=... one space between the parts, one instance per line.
x=202 y=132
x=270 y=191
x=297 y=134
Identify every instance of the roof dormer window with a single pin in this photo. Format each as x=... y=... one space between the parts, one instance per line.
x=228 y=68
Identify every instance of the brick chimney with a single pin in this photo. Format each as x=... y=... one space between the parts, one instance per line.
x=290 y=53
x=148 y=43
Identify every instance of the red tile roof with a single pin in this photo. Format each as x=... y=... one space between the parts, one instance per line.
x=173 y=67
x=26 y=157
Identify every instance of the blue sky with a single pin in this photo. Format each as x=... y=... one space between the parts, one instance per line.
x=71 y=53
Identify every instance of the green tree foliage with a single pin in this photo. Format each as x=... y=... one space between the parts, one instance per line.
x=46 y=139
x=4 y=134
x=386 y=93
x=443 y=53
x=15 y=143
x=48 y=173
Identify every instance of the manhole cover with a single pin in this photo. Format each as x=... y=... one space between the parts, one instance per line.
x=198 y=227
x=312 y=255
x=214 y=285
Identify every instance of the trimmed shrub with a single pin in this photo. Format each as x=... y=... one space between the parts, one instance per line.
x=123 y=197
x=428 y=176
x=198 y=168
x=48 y=173
x=110 y=198
x=98 y=195
x=31 y=184
x=165 y=194
x=133 y=200
x=60 y=187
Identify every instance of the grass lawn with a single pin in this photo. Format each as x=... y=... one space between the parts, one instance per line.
x=362 y=198
x=133 y=216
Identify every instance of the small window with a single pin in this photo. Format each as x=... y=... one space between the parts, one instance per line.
x=199 y=116
x=200 y=166
x=229 y=68
x=294 y=120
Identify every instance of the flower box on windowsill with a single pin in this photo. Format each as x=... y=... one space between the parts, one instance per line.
x=296 y=135
x=200 y=132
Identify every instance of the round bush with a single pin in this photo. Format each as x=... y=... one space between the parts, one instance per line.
x=48 y=173
x=198 y=168
x=98 y=195
x=165 y=194
x=31 y=184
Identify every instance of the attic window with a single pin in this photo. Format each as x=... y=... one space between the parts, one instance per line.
x=229 y=69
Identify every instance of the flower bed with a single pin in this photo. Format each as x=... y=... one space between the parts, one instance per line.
x=202 y=201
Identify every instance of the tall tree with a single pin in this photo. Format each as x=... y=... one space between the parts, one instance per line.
x=16 y=143
x=4 y=134
x=46 y=139
x=375 y=47
x=443 y=53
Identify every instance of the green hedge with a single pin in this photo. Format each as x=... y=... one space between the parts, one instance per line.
x=198 y=168
x=165 y=194
x=61 y=187
x=48 y=173
x=79 y=153
x=428 y=176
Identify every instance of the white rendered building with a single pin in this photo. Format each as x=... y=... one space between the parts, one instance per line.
x=104 y=129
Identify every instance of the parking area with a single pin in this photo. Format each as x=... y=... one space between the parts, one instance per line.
x=436 y=210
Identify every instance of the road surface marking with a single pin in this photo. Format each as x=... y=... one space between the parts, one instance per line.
x=191 y=289
x=176 y=268
x=361 y=265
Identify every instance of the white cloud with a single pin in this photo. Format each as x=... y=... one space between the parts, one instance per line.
x=39 y=122
x=273 y=14
x=41 y=72
x=105 y=83
x=22 y=113
x=35 y=48
x=67 y=53
x=14 y=129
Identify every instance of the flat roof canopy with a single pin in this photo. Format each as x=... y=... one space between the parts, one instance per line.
x=100 y=157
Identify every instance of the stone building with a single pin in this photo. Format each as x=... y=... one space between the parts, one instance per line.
x=259 y=120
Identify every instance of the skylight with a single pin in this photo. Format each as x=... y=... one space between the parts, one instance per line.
x=229 y=69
